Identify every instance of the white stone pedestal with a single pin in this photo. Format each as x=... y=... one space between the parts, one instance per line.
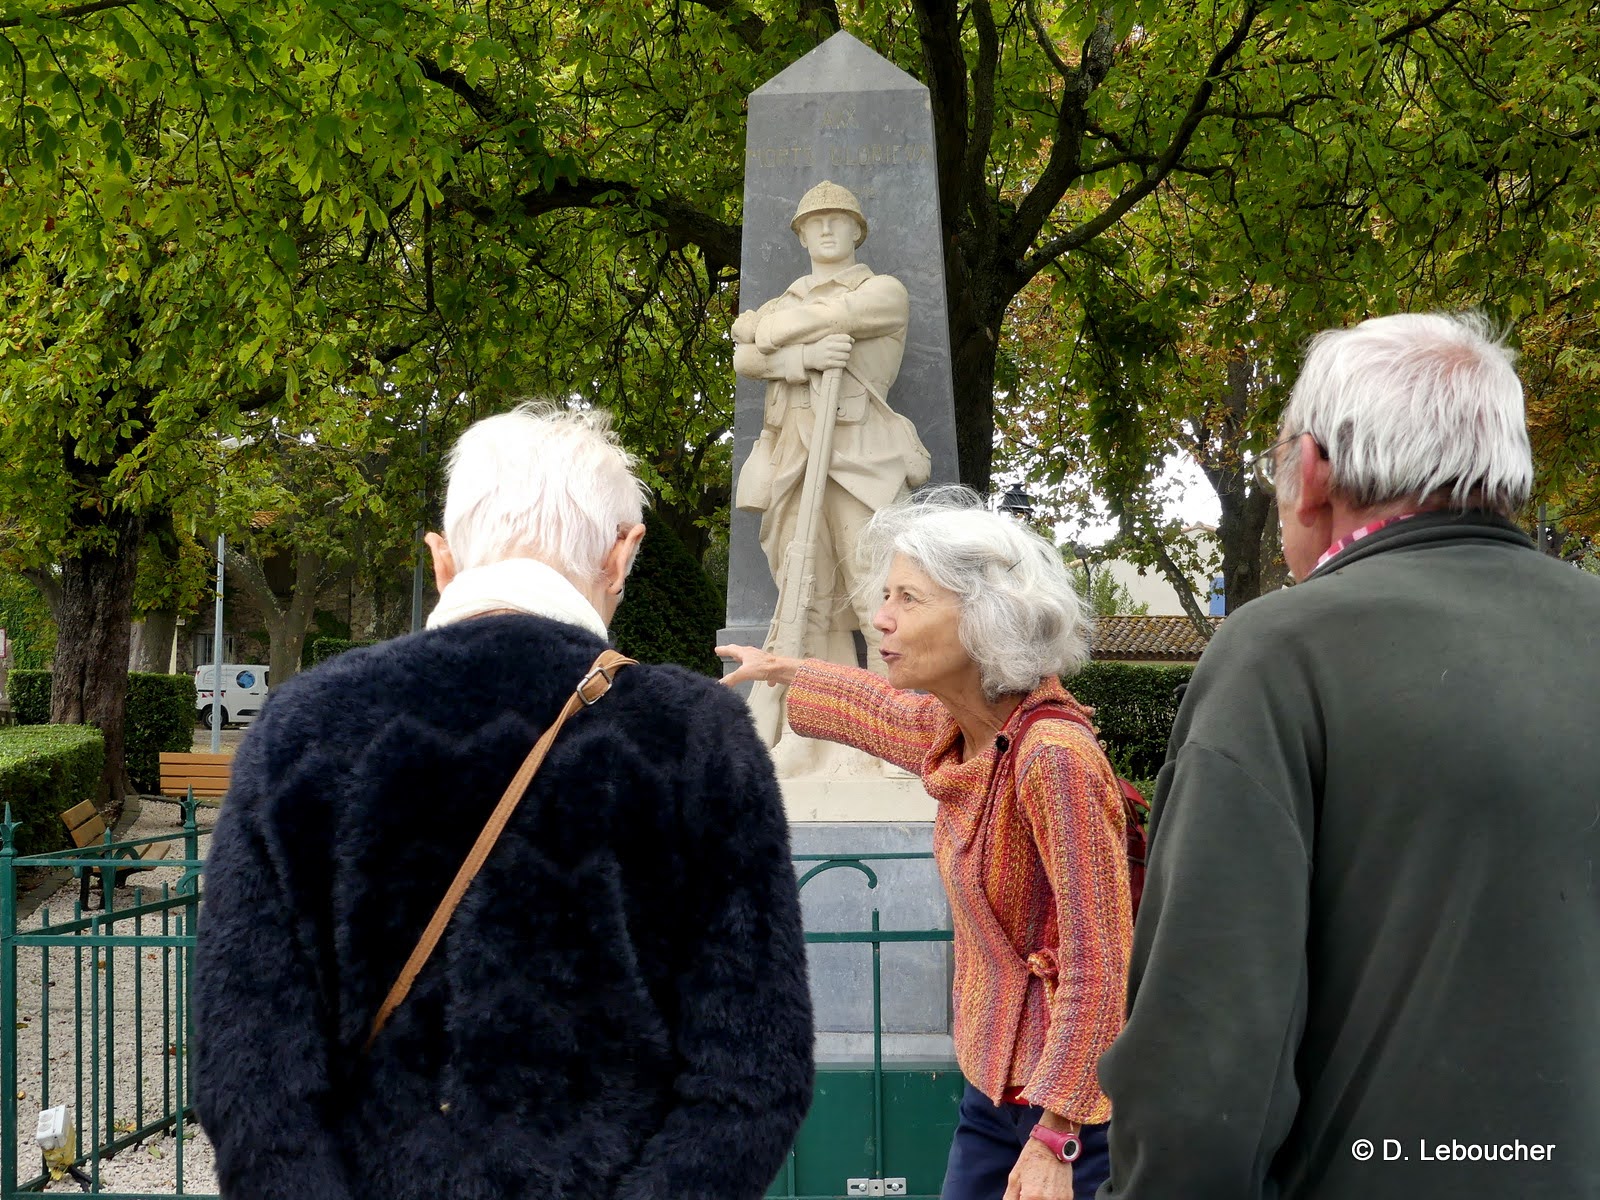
x=890 y=801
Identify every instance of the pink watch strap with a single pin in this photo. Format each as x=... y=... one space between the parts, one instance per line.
x=1065 y=1146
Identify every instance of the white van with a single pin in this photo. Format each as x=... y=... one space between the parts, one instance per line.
x=244 y=691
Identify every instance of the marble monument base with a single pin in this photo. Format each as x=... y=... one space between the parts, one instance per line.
x=837 y=800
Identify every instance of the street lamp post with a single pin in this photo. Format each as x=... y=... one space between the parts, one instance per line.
x=1017 y=503
x=223 y=443
x=216 y=656
x=420 y=549
x=1081 y=552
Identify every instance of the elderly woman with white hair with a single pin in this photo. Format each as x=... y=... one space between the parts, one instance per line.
x=980 y=624
x=424 y=971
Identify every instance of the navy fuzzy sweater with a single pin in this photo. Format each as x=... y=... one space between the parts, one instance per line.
x=617 y=1011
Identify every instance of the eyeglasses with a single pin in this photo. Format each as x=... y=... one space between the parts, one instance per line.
x=1266 y=464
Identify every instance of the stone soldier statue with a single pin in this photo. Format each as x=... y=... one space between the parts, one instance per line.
x=841 y=316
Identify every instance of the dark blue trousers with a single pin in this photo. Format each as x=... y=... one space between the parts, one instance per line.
x=988 y=1140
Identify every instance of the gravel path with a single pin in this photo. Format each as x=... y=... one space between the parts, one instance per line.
x=145 y=1041
x=232 y=735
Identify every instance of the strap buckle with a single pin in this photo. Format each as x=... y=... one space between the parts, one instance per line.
x=599 y=690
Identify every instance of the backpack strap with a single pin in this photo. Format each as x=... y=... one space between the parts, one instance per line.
x=1130 y=793
x=1041 y=712
x=1134 y=804
x=590 y=689
x=1135 y=808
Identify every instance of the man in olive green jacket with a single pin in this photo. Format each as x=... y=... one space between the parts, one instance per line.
x=1368 y=961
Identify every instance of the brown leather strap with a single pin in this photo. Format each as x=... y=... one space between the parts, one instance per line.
x=590 y=688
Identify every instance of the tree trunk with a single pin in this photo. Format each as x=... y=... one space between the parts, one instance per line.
x=1199 y=618
x=1246 y=507
x=287 y=623
x=976 y=309
x=49 y=587
x=1274 y=570
x=972 y=367
x=1239 y=533
x=365 y=610
x=90 y=679
x=151 y=648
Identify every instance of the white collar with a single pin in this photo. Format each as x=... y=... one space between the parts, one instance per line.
x=522 y=584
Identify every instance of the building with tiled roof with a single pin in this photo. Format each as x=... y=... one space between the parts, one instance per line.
x=1148 y=587
x=1148 y=639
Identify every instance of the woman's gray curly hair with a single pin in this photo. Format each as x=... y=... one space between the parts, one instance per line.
x=1021 y=618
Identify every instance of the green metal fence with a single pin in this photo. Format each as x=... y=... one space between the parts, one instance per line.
x=94 y=1014
x=882 y=1131
x=94 y=1011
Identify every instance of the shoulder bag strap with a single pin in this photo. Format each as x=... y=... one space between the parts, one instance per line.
x=593 y=685
x=1042 y=712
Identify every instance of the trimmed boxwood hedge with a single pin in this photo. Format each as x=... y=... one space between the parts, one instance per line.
x=1135 y=706
x=29 y=692
x=671 y=612
x=160 y=717
x=321 y=647
x=45 y=770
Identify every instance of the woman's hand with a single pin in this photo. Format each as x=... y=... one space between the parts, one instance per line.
x=1039 y=1175
x=758 y=665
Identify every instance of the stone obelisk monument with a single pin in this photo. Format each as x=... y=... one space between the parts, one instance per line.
x=841 y=191
x=842 y=132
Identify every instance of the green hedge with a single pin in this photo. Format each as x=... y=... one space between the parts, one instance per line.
x=161 y=717
x=670 y=612
x=30 y=696
x=45 y=770
x=322 y=647
x=1135 y=708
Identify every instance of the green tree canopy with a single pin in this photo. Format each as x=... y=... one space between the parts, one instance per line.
x=324 y=212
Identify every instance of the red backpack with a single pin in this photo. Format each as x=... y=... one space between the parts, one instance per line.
x=1134 y=806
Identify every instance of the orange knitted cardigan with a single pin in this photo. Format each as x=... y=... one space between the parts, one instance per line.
x=1036 y=855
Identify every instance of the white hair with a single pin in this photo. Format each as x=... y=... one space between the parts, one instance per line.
x=1021 y=618
x=541 y=482
x=1414 y=405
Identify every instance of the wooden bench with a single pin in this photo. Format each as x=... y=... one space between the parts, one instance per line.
x=207 y=774
x=88 y=828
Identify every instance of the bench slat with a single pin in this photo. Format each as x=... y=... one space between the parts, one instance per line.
x=89 y=833
x=207 y=774
x=79 y=813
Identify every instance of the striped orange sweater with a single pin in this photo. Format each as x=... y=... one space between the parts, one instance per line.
x=1033 y=1010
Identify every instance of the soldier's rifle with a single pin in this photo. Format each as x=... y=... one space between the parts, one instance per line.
x=797 y=582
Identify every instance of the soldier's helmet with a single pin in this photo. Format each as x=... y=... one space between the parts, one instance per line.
x=828 y=196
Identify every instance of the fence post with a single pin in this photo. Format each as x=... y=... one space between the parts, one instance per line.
x=877 y=1047
x=105 y=982
x=8 y=1006
x=183 y=1019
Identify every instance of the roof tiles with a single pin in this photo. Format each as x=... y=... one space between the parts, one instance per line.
x=1164 y=639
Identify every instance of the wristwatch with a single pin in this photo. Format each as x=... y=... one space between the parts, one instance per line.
x=1065 y=1146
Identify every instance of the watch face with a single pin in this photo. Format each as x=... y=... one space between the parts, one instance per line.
x=1065 y=1146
